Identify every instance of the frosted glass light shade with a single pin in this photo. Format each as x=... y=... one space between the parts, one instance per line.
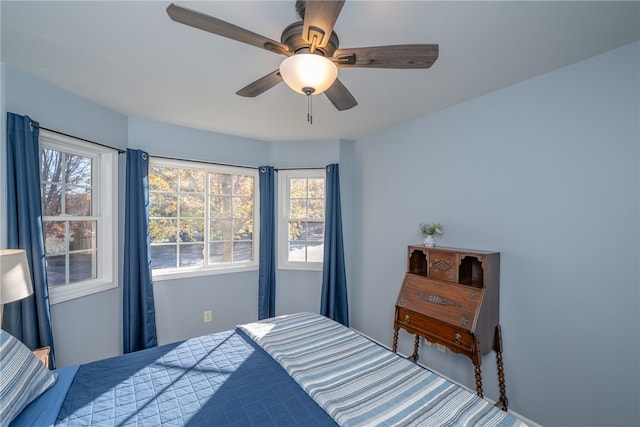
x=15 y=279
x=307 y=70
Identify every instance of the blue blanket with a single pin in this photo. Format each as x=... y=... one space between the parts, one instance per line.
x=221 y=379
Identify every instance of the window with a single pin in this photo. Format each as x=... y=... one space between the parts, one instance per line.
x=302 y=219
x=78 y=182
x=202 y=218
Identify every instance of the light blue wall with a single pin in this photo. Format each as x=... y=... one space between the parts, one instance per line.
x=300 y=290
x=185 y=143
x=547 y=173
x=232 y=298
x=87 y=328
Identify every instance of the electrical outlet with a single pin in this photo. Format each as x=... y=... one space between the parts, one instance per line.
x=441 y=348
x=208 y=317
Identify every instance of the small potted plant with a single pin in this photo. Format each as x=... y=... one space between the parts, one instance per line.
x=428 y=230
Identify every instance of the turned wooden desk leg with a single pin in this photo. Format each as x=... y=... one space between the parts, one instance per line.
x=503 y=403
x=395 y=340
x=478 y=373
x=416 y=347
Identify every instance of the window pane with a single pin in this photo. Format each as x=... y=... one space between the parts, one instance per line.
x=242 y=251
x=306 y=241
x=316 y=208
x=297 y=230
x=315 y=230
x=78 y=170
x=78 y=181
x=229 y=216
x=82 y=266
x=55 y=236
x=163 y=204
x=77 y=200
x=243 y=185
x=220 y=230
x=163 y=230
x=51 y=200
x=315 y=251
x=56 y=270
x=164 y=256
x=242 y=207
x=82 y=235
x=297 y=251
x=316 y=188
x=192 y=180
x=298 y=188
x=220 y=252
x=220 y=183
x=220 y=207
x=191 y=255
x=163 y=178
x=50 y=165
x=192 y=230
x=298 y=208
x=242 y=229
x=191 y=205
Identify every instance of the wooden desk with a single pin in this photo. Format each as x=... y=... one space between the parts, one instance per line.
x=451 y=297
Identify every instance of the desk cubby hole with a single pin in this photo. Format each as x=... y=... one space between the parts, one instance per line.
x=418 y=263
x=471 y=272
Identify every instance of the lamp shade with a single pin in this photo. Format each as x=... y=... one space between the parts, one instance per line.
x=15 y=279
x=308 y=73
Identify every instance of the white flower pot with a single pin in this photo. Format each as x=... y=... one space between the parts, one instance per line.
x=429 y=241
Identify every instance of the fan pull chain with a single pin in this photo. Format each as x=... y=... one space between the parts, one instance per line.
x=308 y=91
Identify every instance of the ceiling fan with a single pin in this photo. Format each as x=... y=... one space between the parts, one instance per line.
x=313 y=39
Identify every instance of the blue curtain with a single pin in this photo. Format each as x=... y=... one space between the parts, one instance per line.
x=29 y=320
x=267 y=269
x=139 y=317
x=334 y=278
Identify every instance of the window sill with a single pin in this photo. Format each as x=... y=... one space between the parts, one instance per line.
x=301 y=266
x=64 y=293
x=181 y=274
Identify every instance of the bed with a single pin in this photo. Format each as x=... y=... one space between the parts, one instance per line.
x=295 y=370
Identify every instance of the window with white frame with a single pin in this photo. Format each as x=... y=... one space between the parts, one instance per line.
x=78 y=182
x=302 y=201
x=202 y=218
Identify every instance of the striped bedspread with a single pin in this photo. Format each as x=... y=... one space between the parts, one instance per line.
x=359 y=383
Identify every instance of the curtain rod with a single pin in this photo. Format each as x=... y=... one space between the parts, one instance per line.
x=120 y=151
x=228 y=164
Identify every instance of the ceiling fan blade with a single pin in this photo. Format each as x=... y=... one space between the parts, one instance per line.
x=261 y=85
x=319 y=19
x=340 y=96
x=224 y=29
x=398 y=56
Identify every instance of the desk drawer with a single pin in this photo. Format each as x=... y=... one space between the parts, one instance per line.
x=456 y=339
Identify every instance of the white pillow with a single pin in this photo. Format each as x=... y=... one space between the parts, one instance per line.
x=23 y=377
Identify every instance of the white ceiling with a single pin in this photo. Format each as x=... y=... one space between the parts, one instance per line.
x=131 y=57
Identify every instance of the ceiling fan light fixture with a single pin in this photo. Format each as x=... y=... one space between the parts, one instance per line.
x=308 y=73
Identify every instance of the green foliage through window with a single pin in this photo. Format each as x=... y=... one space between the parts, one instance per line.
x=200 y=217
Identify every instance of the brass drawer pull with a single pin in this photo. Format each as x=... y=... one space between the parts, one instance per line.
x=458 y=338
x=407 y=319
